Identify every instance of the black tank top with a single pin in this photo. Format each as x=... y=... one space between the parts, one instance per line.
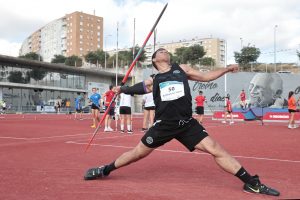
x=172 y=96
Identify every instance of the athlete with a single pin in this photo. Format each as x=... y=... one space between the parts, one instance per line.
x=78 y=107
x=95 y=99
x=228 y=111
x=200 y=99
x=173 y=120
x=125 y=112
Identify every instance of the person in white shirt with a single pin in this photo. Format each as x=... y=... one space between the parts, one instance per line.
x=125 y=112
x=149 y=111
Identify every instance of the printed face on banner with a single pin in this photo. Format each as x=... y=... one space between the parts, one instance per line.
x=264 y=89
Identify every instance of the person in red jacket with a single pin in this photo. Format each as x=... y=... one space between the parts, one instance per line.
x=292 y=107
x=228 y=110
x=200 y=99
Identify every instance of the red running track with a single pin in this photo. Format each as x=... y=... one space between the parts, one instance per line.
x=42 y=157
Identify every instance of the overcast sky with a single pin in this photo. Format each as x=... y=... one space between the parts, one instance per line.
x=254 y=21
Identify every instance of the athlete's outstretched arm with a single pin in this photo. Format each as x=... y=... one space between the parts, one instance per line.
x=196 y=75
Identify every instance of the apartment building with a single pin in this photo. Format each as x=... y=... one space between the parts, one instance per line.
x=74 y=34
x=214 y=48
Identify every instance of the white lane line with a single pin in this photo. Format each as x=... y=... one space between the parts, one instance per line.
x=186 y=152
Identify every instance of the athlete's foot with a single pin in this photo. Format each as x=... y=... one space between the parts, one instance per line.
x=93 y=126
x=129 y=131
x=95 y=173
x=224 y=122
x=260 y=188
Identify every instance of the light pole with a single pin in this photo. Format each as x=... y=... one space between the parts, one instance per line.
x=105 y=49
x=275 y=27
x=241 y=43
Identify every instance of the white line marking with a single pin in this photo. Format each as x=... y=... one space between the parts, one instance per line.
x=186 y=152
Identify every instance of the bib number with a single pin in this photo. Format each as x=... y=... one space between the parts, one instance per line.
x=171 y=90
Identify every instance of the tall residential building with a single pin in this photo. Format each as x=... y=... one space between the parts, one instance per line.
x=74 y=34
x=214 y=48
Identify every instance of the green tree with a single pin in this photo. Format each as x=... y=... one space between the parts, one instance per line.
x=73 y=61
x=126 y=57
x=58 y=59
x=32 y=56
x=37 y=74
x=247 y=56
x=191 y=55
x=15 y=77
x=96 y=57
x=207 y=61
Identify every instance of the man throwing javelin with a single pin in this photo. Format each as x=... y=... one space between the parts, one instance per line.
x=173 y=120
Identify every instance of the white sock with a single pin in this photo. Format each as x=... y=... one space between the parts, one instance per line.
x=122 y=127
x=128 y=127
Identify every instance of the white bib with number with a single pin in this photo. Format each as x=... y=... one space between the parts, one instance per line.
x=171 y=90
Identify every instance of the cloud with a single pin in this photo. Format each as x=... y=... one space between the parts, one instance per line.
x=253 y=21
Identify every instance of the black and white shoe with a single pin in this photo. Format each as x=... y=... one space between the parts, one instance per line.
x=259 y=188
x=95 y=173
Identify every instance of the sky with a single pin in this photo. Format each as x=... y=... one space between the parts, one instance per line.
x=260 y=23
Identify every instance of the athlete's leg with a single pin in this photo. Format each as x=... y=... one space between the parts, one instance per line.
x=222 y=158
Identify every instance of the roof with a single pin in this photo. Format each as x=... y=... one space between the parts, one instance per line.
x=21 y=62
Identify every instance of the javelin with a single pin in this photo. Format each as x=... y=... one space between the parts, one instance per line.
x=127 y=74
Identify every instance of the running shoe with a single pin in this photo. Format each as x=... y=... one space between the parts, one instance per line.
x=129 y=131
x=259 y=188
x=93 y=126
x=95 y=173
x=122 y=131
x=144 y=129
x=224 y=122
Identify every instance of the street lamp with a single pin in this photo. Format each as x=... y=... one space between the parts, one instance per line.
x=275 y=27
x=241 y=43
x=105 y=49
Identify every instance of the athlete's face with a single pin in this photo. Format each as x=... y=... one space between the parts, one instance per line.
x=94 y=90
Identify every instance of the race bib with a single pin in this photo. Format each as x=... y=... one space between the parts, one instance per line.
x=171 y=90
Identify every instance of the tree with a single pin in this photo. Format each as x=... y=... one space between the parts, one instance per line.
x=15 y=77
x=298 y=54
x=32 y=56
x=126 y=57
x=191 y=55
x=37 y=74
x=246 y=56
x=58 y=59
x=96 y=57
x=73 y=61
x=207 y=61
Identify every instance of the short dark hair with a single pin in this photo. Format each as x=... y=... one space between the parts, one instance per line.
x=154 y=55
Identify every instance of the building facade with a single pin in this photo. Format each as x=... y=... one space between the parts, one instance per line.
x=74 y=34
x=26 y=85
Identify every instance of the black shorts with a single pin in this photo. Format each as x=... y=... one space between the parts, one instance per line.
x=150 y=108
x=188 y=132
x=125 y=110
x=229 y=111
x=79 y=110
x=291 y=110
x=200 y=110
x=95 y=107
x=111 y=111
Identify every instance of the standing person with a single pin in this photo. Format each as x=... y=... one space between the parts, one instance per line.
x=228 y=110
x=68 y=104
x=109 y=95
x=58 y=104
x=125 y=112
x=173 y=114
x=200 y=99
x=149 y=110
x=78 y=107
x=243 y=99
x=292 y=107
x=95 y=99
x=4 y=107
